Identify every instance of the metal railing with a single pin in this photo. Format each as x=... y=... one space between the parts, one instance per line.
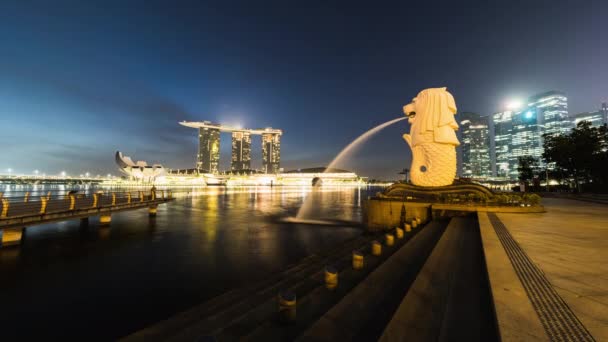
x=12 y=207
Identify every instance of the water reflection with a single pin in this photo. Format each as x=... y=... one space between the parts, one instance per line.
x=207 y=241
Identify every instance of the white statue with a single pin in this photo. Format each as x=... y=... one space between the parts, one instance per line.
x=432 y=137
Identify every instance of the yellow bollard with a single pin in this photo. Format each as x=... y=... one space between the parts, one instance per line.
x=5 y=206
x=95 y=200
x=287 y=306
x=43 y=202
x=357 y=260
x=331 y=277
x=414 y=223
x=418 y=220
x=390 y=239
x=376 y=248
x=105 y=220
x=399 y=233
x=152 y=195
x=152 y=210
x=408 y=227
x=48 y=195
x=72 y=202
x=113 y=199
x=129 y=198
x=27 y=197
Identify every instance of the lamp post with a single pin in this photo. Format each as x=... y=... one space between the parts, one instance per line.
x=405 y=172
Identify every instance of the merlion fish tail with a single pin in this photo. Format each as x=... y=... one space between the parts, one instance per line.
x=432 y=164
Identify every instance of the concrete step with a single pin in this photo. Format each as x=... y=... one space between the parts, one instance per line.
x=314 y=299
x=364 y=311
x=224 y=309
x=450 y=298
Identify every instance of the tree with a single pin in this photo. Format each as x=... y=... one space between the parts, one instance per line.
x=581 y=155
x=525 y=168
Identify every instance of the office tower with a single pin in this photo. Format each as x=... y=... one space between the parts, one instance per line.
x=597 y=118
x=241 y=151
x=526 y=138
x=208 y=157
x=519 y=132
x=551 y=109
x=475 y=146
x=502 y=131
x=271 y=152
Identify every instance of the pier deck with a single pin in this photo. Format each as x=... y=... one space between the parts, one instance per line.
x=16 y=213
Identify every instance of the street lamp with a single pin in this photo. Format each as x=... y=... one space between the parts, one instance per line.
x=87 y=174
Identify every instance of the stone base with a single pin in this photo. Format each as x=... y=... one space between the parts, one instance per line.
x=382 y=214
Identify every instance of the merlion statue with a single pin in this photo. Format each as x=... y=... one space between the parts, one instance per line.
x=432 y=137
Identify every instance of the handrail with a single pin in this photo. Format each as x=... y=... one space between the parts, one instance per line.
x=11 y=207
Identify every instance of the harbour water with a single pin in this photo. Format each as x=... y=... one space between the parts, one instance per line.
x=86 y=282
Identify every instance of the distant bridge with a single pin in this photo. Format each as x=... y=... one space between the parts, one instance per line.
x=16 y=213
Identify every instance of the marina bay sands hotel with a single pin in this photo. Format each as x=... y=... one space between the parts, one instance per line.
x=208 y=157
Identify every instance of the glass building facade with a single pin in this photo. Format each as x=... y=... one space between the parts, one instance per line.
x=552 y=111
x=241 y=151
x=526 y=138
x=475 y=146
x=502 y=130
x=597 y=118
x=271 y=152
x=519 y=133
x=208 y=157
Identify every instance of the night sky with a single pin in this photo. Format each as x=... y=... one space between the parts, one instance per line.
x=80 y=80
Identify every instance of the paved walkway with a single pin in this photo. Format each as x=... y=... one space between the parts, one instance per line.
x=569 y=243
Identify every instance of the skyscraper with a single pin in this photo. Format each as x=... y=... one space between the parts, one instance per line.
x=526 y=137
x=519 y=132
x=208 y=157
x=597 y=118
x=241 y=151
x=475 y=146
x=503 y=128
x=551 y=109
x=271 y=152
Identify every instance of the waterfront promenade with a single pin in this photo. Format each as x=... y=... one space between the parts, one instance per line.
x=569 y=245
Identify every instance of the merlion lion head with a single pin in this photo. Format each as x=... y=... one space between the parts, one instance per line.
x=432 y=137
x=432 y=112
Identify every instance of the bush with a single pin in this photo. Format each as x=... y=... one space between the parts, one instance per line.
x=534 y=199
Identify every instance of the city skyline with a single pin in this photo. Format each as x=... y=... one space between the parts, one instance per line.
x=119 y=77
x=517 y=131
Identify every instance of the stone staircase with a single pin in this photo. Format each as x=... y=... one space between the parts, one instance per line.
x=359 y=308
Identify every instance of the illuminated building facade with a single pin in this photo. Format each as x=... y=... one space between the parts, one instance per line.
x=519 y=132
x=526 y=137
x=597 y=118
x=475 y=146
x=208 y=158
x=552 y=111
x=271 y=152
x=241 y=151
x=502 y=131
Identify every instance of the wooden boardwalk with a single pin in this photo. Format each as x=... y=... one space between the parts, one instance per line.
x=17 y=213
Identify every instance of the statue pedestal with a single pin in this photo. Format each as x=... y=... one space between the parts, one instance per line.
x=385 y=213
